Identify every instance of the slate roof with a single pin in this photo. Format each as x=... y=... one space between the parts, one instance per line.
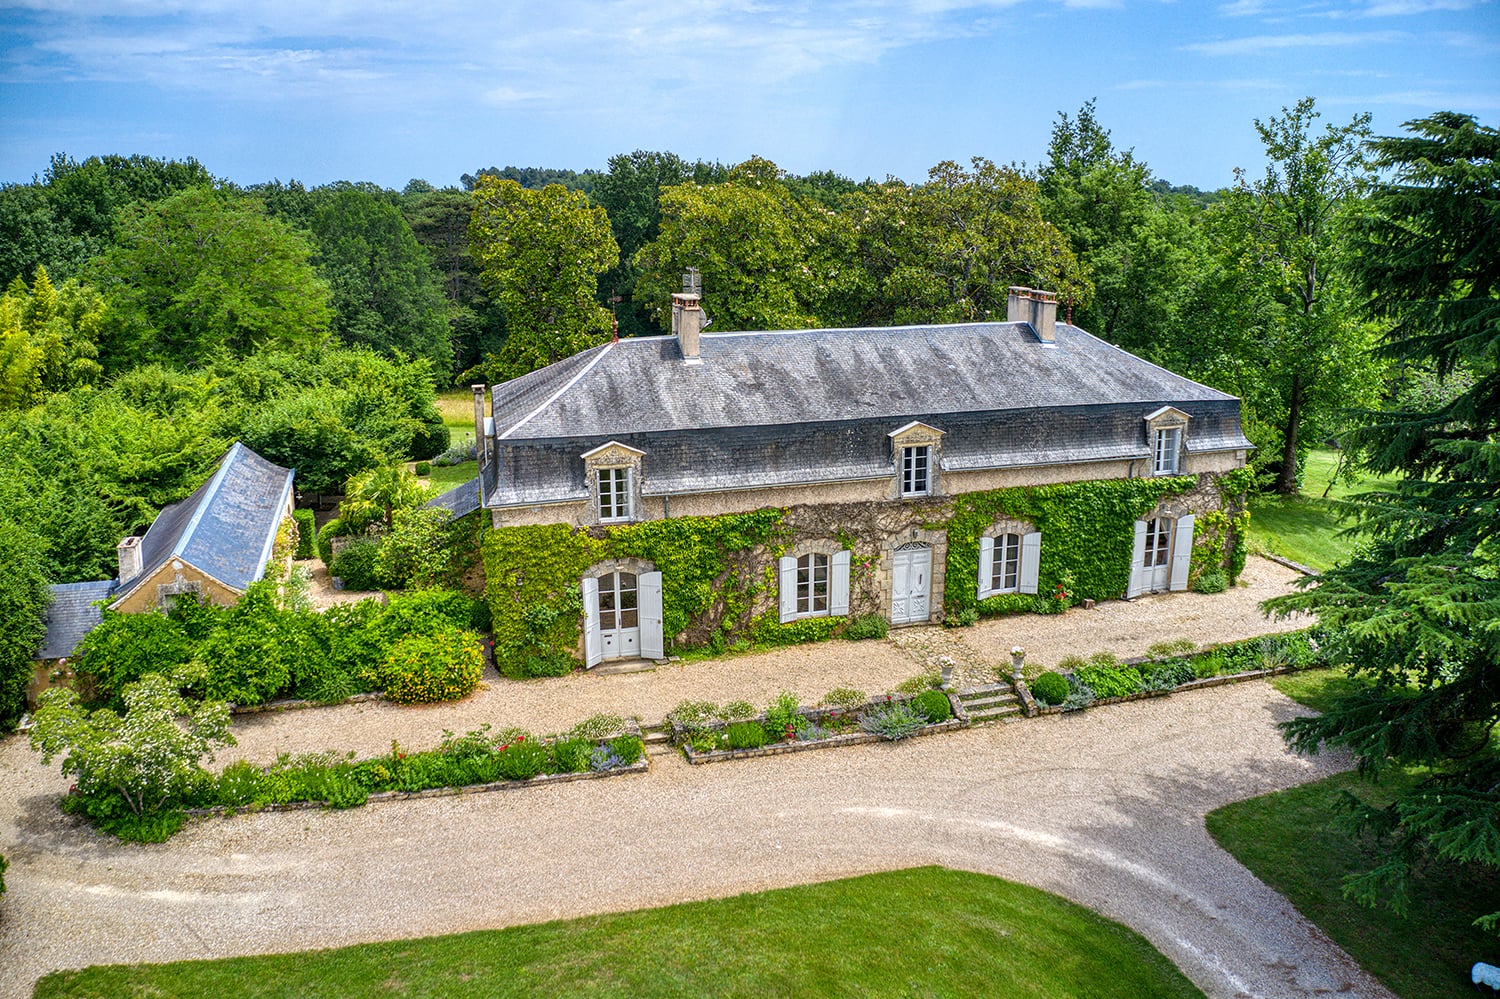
x=226 y=527
x=71 y=615
x=640 y=385
x=461 y=500
x=787 y=408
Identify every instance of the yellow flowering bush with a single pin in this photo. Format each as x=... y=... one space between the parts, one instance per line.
x=442 y=666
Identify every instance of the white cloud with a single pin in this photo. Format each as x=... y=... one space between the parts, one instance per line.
x=1263 y=44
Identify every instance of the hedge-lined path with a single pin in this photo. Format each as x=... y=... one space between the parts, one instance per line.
x=555 y=704
x=1104 y=807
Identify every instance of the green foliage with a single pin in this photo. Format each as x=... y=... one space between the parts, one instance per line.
x=376 y=494
x=745 y=735
x=203 y=271
x=49 y=339
x=257 y=648
x=783 y=716
x=917 y=684
x=358 y=565
x=933 y=705
x=423 y=468
x=23 y=601
x=425 y=669
x=420 y=551
x=844 y=698
x=307 y=533
x=1096 y=518
x=1109 y=681
x=1213 y=581
x=572 y=755
x=1170 y=647
x=866 y=626
x=124 y=648
x=893 y=720
x=542 y=251
x=3 y=866
x=628 y=749
x=142 y=758
x=1050 y=688
x=535 y=567
x=334 y=528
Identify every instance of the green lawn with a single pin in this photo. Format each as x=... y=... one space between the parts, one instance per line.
x=922 y=932
x=1286 y=840
x=1306 y=528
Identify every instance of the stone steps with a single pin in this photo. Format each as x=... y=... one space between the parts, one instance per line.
x=987 y=703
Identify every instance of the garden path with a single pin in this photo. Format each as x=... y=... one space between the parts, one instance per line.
x=1104 y=807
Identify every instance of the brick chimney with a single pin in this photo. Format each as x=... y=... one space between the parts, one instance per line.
x=129 y=552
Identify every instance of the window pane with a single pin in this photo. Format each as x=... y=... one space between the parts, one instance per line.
x=629 y=619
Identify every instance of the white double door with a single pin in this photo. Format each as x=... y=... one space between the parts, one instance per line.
x=622 y=617
x=911 y=584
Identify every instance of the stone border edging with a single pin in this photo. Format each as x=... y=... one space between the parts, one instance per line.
x=851 y=739
x=228 y=811
x=1296 y=566
x=295 y=704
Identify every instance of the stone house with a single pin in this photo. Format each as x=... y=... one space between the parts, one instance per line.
x=886 y=427
x=213 y=544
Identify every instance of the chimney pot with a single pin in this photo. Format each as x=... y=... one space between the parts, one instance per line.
x=687 y=325
x=1018 y=304
x=1044 y=315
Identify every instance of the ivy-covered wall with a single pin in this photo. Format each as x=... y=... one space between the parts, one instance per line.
x=719 y=573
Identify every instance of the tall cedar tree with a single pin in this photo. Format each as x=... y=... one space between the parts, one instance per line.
x=1418 y=613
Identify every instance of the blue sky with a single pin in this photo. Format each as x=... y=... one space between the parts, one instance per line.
x=322 y=90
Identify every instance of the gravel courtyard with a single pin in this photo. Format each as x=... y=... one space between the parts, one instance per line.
x=1105 y=808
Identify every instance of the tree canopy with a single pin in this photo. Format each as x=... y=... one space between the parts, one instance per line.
x=1418 y=611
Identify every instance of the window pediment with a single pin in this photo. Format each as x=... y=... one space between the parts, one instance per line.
x=613 y=453
x=915 y=432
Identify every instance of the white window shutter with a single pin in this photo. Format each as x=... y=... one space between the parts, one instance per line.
x=1031 y=561
x=986 y=565
x=1137 y=556
x=648 y=589
x=1182 y=553
x=838 y=583
x=593 y=641
x=788 y=588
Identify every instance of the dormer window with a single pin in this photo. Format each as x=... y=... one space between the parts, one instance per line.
x=916 y=467
x=1168 y=442
x=614 y=494
x=1166 y=432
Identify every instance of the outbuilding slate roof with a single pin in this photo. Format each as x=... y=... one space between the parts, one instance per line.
x=641 y=385
x=71 y=615
x=227 y=527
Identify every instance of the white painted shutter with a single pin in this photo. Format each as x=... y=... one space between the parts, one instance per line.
x=788 y=588
x=1182 y=553
x=838 y=583
x=653 y=643
x=1031 y=560
x=986 y=565
x=593 y=641
x=1137 y=556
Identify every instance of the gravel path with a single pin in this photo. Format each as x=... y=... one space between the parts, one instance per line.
x=1105 y=808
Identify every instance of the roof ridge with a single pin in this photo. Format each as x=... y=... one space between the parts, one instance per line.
x=220 y=473
x=556 y=395
x=852 y=329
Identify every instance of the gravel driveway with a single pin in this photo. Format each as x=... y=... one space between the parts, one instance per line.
x=1105 y=808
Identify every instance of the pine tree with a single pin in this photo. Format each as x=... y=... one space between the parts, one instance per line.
x=1418 y=612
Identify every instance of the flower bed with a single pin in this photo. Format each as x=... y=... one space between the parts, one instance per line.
x=887 y=718
x=474 y=763
x=1106 y=680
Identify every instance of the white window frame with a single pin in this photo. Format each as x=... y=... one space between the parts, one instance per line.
x=619 y=497
x=1168 y=445
x=799 y=575
x=1007 y=564
x=812 y=569
x=916 y=470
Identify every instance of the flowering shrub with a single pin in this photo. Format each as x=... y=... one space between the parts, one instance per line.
x=425 y=669
x=894 y=720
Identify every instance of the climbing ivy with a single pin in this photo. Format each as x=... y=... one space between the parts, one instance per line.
x=1088 y=529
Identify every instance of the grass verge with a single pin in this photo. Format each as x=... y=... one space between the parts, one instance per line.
x=1286 y=839
x=923 y=932
x=1306 y=528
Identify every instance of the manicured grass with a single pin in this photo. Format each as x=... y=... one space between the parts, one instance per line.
x=1286 y=840
x=922 y=932
x=1306 y=528
x=457 y=409
x=445 y=477
x=1317 y=688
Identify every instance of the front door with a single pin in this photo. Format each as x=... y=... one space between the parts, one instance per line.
x=1157 y=559
x=911 y=574
x=619 y=616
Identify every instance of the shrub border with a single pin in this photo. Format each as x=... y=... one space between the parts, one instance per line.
x=1208 y=681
